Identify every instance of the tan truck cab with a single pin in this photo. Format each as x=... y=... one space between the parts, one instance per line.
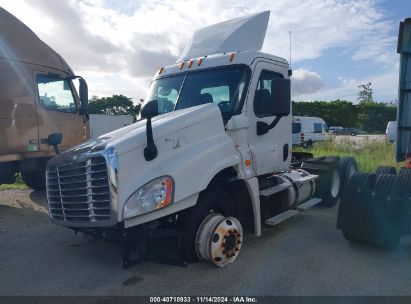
x=38 y=104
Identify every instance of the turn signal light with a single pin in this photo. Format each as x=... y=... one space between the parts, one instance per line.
x=247 y=162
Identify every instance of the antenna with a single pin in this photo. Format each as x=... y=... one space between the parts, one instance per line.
x=290 y=71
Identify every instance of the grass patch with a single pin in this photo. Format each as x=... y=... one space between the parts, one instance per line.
x=369 y=155
x=19 y=184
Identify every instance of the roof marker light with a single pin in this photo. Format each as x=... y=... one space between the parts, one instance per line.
x=190 y=63
x=231 y=57
x=200 y=61
x=182 y=65
x=160 y=71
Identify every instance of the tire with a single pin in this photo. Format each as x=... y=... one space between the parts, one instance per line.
x=329 y=182
x=331 y=193
x=35 y=180
x=385 y=170
x=351 y=238
x=347 y=168
x=389 y=185
x=364 y=181
x=212 y=200
x=405 y=173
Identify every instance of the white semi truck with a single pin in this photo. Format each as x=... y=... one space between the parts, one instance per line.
x=209 y=160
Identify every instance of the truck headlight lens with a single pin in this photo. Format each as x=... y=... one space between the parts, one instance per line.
x=152 y=196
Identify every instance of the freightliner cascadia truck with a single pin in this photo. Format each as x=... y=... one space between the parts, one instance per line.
x=209 y=161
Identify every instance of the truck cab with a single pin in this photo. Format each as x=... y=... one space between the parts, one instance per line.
x=209 y=161
x=39 y=103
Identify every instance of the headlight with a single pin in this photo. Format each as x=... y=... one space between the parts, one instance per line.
x=152 y=196
x=112 y=165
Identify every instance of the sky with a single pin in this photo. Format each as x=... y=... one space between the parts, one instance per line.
x=119 y=45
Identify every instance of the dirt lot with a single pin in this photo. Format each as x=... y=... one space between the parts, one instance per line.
x=304 y=256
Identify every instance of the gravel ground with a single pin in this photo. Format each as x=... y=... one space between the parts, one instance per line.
x=304 y=256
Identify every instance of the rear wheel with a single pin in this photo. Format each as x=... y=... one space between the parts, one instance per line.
x=347 y=168
x=329 y=182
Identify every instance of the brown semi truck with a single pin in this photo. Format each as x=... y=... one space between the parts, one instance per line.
x=40 y=110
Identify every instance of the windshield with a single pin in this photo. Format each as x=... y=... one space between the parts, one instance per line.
x=224 y=87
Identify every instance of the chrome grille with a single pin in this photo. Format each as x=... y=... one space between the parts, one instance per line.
x=79 y=191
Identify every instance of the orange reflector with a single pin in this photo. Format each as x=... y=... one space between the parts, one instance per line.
x=190 y=63
x=161 y=70
x=181 y=65
x=247 y=162
x=200 y=61
x=231 y=57
x=169 y=190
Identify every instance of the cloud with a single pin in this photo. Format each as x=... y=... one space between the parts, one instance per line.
x=385 y=88
x=132 y=39
x=305 y=82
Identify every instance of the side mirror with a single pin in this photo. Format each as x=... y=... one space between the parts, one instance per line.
x=150 y=109
x=280 y=97
x=54 y=140
x=83 y=96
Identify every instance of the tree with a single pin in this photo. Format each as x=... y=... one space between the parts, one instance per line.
x=114 y=105
x=365 y=93
x=368 y=116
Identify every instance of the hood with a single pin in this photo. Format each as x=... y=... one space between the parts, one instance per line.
x=134 y=135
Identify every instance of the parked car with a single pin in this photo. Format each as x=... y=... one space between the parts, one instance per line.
x=349 y=131
x=307 y=130
x=391 y=132
x=334 y=130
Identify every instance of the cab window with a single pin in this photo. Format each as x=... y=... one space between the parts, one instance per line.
x=55 y=94
x=263 y=105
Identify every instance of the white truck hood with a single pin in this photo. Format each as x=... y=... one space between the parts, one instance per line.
x=134 y=135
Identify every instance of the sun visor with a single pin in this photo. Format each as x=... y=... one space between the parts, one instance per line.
x=236 y=35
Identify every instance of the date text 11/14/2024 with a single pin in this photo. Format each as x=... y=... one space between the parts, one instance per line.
x=203 y=299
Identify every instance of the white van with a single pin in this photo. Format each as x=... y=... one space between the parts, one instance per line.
x=391 y=132
x=307 y=130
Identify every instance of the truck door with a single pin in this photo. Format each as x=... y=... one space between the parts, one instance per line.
x=58 y=111
x=271 y=151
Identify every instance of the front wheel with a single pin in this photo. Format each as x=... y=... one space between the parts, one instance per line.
x=213 y=234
